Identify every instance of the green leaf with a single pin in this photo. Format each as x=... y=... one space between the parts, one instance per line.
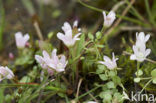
x=100 y=69
x=56 y=13
x=116 y=80
x=153 y=73
x=139 y=73
x=25 y=79
x=98 y=35
x=61 y=95
x=44 y=45
x=107 y=96
x=90 y=36
x=118 y=97
x=137 y=80
x=111 y=85
x=154 y=81
x=103 y=77
x=50 y=35
x=112 y=73
x=26 y=57
x=8 y=98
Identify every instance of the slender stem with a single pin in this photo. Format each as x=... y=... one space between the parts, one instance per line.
x=138 y=67
x=2 y=23
x=38 y=30
x=149 y=12
x=71 y=51
x=66 y=98
x=146 y=78
x=78 y=88
x=135 y=11
x=58 y=79
x=91 y=7
x=103 y=29
x=19 y=84
x=92 y=90
x=152 y=61
x=97 y=52
x=146 y=85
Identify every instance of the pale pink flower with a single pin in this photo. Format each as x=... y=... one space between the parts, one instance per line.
x=109 y=19
x=5 y=73
x=110 y=64
x=68 y=38
x=139 y=49
x=52 y=63
x=21 y=40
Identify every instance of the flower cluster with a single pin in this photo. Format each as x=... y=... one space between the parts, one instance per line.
x=140 y=51
x=52 y=63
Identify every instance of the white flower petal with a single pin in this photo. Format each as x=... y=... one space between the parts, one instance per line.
x=106 y=58
x=59 y=70
x=142 y=36
x=10 y=73
x=104 y=15
x=111 y=14
x=63 y=59
x=61 y=36
x=39 y=58
x=26 y=37
x=77 y=35
x=101 y=62
x=75 y=24
x=45 y=54
x=148 y=51
x=147 y=37
x=66 y=27
x=54 y=56
x=18 y=35
x=133 y=57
